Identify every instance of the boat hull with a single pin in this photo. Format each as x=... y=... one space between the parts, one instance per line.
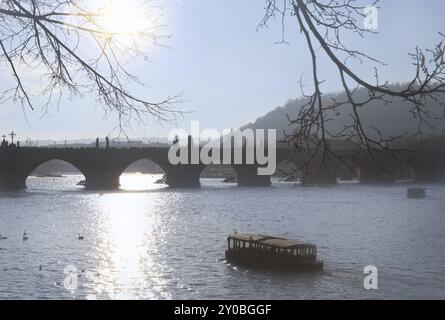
x=273 y=264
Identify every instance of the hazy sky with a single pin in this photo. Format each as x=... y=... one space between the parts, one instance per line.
x=231 y=73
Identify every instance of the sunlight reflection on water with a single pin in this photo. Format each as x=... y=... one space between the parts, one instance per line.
x=140 y=182
x=129 y=252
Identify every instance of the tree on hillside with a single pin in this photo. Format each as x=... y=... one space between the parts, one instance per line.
x=323 y=24
x=78 y=48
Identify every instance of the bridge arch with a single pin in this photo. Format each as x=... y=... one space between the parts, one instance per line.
x=41 y=162
x=53 y=168
x=288 y=171
x=56 y=163
x=226 y=173
x=142 y=174
x=21 y=177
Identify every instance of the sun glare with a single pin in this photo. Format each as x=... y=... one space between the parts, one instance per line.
x=124 y=18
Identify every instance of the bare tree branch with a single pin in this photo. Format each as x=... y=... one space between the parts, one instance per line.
x=78 y=54
x=323 y=24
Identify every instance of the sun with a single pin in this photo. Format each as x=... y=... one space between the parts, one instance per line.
x=124 y=18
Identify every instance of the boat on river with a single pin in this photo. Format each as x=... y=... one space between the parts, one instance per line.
x=272 y=253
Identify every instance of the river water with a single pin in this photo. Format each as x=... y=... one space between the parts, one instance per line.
x=150 y=242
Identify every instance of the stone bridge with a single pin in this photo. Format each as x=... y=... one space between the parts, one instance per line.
x=102 y=167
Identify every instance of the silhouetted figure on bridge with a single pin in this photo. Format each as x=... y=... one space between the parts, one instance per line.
x=107 y=143
x=4 y=142
x=97 y=143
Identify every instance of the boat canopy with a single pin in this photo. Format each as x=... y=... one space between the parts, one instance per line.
x=271 y=241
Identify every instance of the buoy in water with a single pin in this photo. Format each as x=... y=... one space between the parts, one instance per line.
x=416 y=193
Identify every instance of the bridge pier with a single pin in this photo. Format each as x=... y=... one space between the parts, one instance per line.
x=371 y=173
x=247 y=176
x=321 y=170
x=183 y=176
x=316 y=175
x=430 y=174
x=102 y=180
x=11 y=181
x=428 y=166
